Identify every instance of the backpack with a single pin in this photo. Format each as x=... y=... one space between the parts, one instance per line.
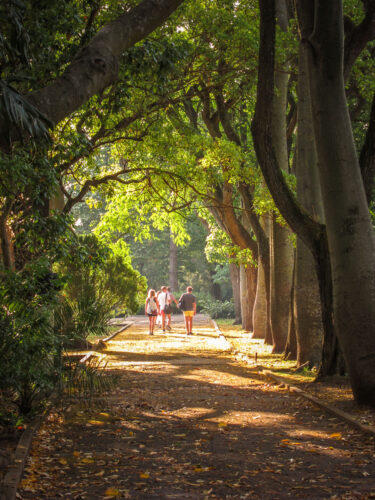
x=151 y=306
x=181 y=303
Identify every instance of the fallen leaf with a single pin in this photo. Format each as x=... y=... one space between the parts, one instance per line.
x=336 y=435
x=112 y=492
x=144 y=475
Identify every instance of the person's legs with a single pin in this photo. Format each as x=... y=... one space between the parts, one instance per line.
x=169 y=322
x=188 y=321
x=186 y=317
x=190 y=324
x=163 y=320
x=150 y=324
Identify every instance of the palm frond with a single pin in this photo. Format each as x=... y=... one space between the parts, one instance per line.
x=22 y=115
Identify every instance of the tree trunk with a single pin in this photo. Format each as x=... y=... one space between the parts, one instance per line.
x=280 y=243
x=248 y=290
x=234 y=271
x=260 y=306
x=308 y=311
x=349 y=230
x=262 y=310
x=173 y=267
x=7 y=253
x=281 y=284
x=291 y=342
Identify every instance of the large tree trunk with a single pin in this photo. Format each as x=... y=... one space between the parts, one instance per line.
x=350 y=234
x=234 y=271
x=95 y=67
x=308 y=311
x=173 y=267
x=281 y=284
x=280 y=243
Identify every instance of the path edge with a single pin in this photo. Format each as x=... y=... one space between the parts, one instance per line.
x=268 y=374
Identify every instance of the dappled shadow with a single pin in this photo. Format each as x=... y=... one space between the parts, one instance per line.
x=192 y=423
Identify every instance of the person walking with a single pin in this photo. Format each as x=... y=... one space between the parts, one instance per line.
x=164 y=306
x=188 y=305
x=158 y=317
x=171 y=298
x=151 y=310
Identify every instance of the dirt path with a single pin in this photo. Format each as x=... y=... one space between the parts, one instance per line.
x=187 y=421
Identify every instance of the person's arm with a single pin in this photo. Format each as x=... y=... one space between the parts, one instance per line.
x=146 y=306
x=157 y=305
x=195 y=308
x=174 y=299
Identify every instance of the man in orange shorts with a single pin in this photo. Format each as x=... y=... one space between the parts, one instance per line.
x=188 y=305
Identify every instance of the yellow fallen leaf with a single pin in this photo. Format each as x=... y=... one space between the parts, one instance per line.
x=95 y=422
x=63 y=461
x=222 y=424
x=336 y=435
x=87 y=461
x=100 y=474
x=105 y=415
x=76 y=453
x=144 y=475
x=131 y=433
x=198 y=469
x=112 y=492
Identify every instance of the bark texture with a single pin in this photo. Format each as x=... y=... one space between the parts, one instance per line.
x=234 y=271
x=308 y=311
x=248 y=290
x=350 y=234
x=280 y=244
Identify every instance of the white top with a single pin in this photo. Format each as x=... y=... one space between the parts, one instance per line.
x=163 y=299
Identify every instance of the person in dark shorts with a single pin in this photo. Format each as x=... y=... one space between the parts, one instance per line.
x=151 y=309
x=188 y=305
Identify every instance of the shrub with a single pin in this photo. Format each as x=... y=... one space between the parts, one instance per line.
x=216 y=308
x=29 y=348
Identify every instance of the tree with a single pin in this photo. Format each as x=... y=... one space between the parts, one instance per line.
x=351 y=239
x=95 y=67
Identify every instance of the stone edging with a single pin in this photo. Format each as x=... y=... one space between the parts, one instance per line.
x=13 y=476
x=221 y=335
x=368 y=429
x=101 y=343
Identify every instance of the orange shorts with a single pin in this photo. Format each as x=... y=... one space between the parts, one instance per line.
x=189 y=314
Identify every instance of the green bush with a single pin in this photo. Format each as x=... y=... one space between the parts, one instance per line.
x=29 y=349
x=216 y=308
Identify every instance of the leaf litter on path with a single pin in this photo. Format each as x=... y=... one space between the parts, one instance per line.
x=180 y=430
